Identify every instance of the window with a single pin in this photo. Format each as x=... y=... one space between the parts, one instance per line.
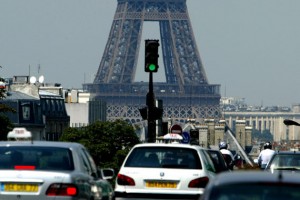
x=86 y=163
x=164 y=157
x=39 y=158
x=91 y=162
x=25 y=111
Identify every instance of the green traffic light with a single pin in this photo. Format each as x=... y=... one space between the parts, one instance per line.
x=152 y=67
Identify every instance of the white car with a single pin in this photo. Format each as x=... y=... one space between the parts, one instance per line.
x=159 y=170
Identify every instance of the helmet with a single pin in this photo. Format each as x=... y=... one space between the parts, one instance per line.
x=268 y=145
x=223 y=145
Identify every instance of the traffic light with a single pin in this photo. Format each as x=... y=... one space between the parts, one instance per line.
x=194 y=135
x=151 y=55
x=144 y=113
x=151 y=113
x=155 y=113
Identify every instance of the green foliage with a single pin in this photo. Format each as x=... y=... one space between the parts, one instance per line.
x=2 y=90
x=3 y=107
x=107 y=142
x=5 y=123
x=5 y=127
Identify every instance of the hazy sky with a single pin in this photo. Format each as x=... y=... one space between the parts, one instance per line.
x=250 y=47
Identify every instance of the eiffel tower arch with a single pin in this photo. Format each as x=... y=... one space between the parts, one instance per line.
x=186 y=92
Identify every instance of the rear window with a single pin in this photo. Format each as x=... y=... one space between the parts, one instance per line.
x=257 y=191
x=40 y=158
x=286 y=160
x=164 y=157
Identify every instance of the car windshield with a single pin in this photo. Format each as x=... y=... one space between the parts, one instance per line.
x=263 y=191
x=164 y=157
x=39 y=158
x=282 y=161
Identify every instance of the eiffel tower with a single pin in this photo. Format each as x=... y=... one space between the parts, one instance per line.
x=186 y=92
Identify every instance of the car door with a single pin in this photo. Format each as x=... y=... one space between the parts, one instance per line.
x=90 y=172
x=102 y=188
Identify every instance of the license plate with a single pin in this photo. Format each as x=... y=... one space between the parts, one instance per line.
x=16 y=187
x=155 y=184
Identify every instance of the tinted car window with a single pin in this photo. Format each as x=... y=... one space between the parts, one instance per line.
x=218 y=161
x=41 y=158
x=209 y=162
x=91 y=161
x=285 y=160
x=164 y=157
x=256 y=191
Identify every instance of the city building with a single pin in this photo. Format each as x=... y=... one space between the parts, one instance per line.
x=28 y=113
x=263 y=118
x=83 y=109
x=40 y=107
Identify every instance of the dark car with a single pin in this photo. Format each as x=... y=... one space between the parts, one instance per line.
x=218 y=160
x=249 y=185
x=284 y=160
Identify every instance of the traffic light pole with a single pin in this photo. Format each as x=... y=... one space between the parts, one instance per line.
x=151 y=112
x=151 y=104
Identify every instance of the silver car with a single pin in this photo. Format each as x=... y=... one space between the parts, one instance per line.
x=49 y=170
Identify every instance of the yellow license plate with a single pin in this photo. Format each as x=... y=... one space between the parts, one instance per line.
x=15 y=187
x=154 y=184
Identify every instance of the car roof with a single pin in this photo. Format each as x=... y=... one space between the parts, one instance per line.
x=178 y=145
x=287 y=152
x=238 y=177
x=41 y=143
x=214 y=150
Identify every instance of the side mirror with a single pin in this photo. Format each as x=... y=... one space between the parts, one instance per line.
x=106 y=173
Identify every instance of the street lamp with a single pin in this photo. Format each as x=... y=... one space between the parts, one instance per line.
x=289 y=122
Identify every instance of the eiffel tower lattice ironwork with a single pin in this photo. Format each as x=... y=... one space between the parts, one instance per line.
x=186 y=92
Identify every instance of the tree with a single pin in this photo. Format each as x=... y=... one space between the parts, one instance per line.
x=107 y=142
x=3 y=107
x=5 y=127
x=5 y=123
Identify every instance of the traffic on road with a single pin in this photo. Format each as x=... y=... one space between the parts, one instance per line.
x=167 y=169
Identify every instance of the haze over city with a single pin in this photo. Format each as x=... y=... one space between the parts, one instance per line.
x=251 y=47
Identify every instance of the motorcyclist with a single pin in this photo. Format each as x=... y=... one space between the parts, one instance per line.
x=265 y=155
x=228 y=156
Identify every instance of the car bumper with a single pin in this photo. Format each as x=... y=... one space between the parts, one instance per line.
x=123 y=195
